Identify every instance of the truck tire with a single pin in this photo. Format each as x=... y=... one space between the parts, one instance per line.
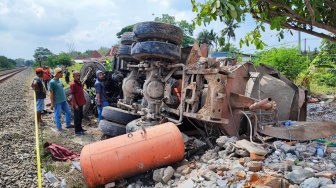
x=155 y=50
x=117 y=115
x=111 y=128
x=124 y=53
x=91 y=77
x=87 y=105
x=157 y=31
x=127 y=38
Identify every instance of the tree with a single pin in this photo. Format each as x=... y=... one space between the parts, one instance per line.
x=29 y=62
x=63 y=59
x=286 y=60
x=128 y=28
x=19 y=61
x=72 y=50
x=305 y=16
x=6 y=63
x=42 y=52
x=103 y=50
x=87 y=53
x=324 y=64
x=186 y=27
x=207 y=37
x=228 y=31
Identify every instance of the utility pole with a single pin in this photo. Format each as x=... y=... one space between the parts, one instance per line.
x=39 y=59
x=299 y=42
x=305 y=42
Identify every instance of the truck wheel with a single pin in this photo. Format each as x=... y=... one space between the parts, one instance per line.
x=111 y=128
x=117 y=115
x=155 y=50
x=124 y=53
x=87 y=105
x=91 y=77
x=157 y=31
x=127 y=38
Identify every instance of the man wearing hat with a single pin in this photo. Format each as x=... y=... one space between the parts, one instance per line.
x=58 y=100
x=40 y=93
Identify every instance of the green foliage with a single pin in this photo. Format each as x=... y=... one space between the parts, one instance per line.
x=317 y=89
x=20 y=61
x=42 y=52
x=324 y=66
x=108 y=65
x=323 y=78
x=103 y=50
x=187 y=41
x=73 y=67
x=63 y=59
x=6 y=63
x=128 y=28
x=208 y=37
x=228 y=31
x=306 y=16
x=88 y=52
x=29 y=62
x=285 y=60
x=183 y=24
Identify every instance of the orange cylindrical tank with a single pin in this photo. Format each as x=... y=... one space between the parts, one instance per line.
x=127 y=155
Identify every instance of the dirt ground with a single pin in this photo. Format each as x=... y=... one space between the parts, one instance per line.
x=67 y=139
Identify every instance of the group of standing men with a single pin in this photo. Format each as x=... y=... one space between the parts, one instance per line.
x=41 y=84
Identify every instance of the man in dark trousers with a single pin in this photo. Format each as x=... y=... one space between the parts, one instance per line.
x=40 y=92
x=77 y=102
x=46 y=76
x=67 y=76
x=101 y=98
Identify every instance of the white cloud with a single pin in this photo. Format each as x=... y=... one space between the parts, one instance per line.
x=28 y=24
x=3 y=8
x=38 y=10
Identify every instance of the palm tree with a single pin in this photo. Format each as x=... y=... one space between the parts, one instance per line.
x=229 y=30
x=207 y=37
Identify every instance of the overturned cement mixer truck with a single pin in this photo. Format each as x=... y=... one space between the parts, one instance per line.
x=168 y=90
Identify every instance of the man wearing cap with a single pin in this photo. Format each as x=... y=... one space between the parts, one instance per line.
x=40 y=93
x=78 y=101
x=58 y=100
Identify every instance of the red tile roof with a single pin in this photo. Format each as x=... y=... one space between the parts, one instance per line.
x=95 y=54
x=113 y=51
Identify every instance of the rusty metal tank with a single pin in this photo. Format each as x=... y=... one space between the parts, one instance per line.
x=130 y=154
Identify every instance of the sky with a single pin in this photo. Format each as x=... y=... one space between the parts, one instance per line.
x=26 y=25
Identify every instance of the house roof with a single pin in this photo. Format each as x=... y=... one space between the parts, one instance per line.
x=82 y=57
x=95 y=54
x=219 y=54
x=113 y=51
x=226 y=54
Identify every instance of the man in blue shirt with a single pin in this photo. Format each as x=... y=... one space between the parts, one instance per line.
x=101 y=98
x=58 y=100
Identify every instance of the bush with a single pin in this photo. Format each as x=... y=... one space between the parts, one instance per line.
x=285 y=60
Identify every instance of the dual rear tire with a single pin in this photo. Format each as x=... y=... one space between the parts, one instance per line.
x=114 y=122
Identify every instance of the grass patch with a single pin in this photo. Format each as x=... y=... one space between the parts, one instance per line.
x=318 y=89
x=61 y=169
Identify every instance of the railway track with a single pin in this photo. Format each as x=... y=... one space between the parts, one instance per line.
x=9 y=73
